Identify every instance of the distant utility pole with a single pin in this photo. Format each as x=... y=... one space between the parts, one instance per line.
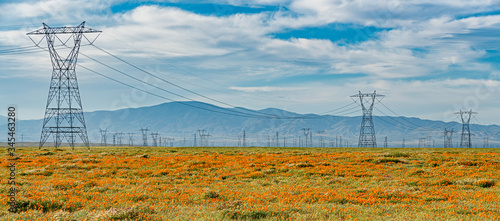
x=404 y=145
x=284 y=141
x=367 y=131
x=448 y=138
x=144 y=136
x=307 y=131
x=465 y=140
x=268 y=141
x=385 y=142
x=104 y=136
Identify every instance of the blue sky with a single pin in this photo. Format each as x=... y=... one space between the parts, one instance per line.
x=429 y=58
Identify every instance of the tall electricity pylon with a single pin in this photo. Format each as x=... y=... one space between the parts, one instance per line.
x=131 y=139
x=104 y=137
x=465 y=140
x=244 y=138
x=155 y=138
x=367 y=131
x=63 y=112
x=448 y=138
x=144 y=136
x=307 y=131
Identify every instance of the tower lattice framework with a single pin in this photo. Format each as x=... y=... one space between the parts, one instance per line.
x=465 y=140
x=367 y=131
x=64 y=112
x=448 y=138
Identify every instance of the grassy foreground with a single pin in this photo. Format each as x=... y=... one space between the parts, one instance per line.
x=153 y=183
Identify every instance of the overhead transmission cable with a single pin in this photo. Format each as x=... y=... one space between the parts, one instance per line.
x=188 y=72
x=175 y=85
x=183 y=88
x=156 y=95
x=234 y=113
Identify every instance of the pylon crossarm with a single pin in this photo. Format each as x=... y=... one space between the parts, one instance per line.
x=63 y=30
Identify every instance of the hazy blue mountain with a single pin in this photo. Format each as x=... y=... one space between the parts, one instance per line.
x=181 y=120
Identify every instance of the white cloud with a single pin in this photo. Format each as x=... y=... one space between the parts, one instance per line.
x=238 y=49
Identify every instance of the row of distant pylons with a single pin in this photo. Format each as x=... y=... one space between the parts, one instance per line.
x=64 y=118
x=367 y=132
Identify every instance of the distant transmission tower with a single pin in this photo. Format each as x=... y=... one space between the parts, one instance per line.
x=244 y=138
x=448 y=138
x=194 y=141
x=64 y=112
x=465 y=140
x=367 y=131
x=485 y=143
x=277 y=139
x=155 y=139
x=104 y=137
x=307 y=131
x=203 y=137
x=131 y=139
x=321 y=141
x=144 y=136
x=120 y=136
x=385 y=142
x=114 y=139
x=422 y=142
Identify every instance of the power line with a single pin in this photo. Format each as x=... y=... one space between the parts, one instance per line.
x=190 y=73
x=173 y=84
x=188 y=90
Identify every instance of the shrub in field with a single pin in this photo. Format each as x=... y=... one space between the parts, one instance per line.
x=484 y=183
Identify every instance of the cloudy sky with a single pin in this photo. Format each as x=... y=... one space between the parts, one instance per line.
x=429 y=59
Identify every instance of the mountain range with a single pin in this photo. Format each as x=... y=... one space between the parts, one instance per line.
x=182 y=120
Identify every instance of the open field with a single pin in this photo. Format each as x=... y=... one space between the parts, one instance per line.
x=158 y=183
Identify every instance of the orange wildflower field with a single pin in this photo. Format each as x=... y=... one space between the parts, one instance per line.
x=211 y=183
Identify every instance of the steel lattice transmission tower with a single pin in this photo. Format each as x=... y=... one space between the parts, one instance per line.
x=465 y=140
x=64 y=113
x=144 y=136
x=367 y=131
x=448 y=138
x=104 y=137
